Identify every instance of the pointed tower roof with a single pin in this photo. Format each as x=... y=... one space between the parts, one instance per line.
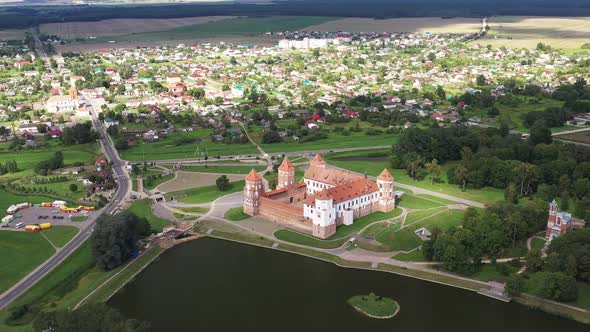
x=385 y=175
x=253 y=176
x=287 y=166
x=323 y=195
x=317 y=160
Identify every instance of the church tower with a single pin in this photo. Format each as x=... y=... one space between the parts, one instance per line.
x=253 y=190
x=552 y=220
x=74 y=93
x=386 y=195
x=286 y=175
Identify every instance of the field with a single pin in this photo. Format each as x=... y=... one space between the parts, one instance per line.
x=232 y=27
x=524 y=31
x=236 y=214
x=207 y=194
x=116 y=27
x=11 y=34
x=188 y=180
x=419 y=24
x=60 y=235
x=21 y=253
x=7 y=199
x=142 y=209
x=224 y=169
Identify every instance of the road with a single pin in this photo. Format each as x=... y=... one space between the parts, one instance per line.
x=40 y=50
x=122 y=191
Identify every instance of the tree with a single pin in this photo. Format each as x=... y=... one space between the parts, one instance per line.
x=540 y=133
x=461 y=175
x=41 y=128
x=73 y=187
x=511 y=193
x=534 y=262
x=94 y=317
x=481 y=80
x=434 y=169
x=271 y=136
x=440 y=92
x=515 y=285
x=114 y=239
x=222 y=183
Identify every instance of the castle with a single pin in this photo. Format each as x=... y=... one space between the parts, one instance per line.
x=326 y=198
x=558 y=223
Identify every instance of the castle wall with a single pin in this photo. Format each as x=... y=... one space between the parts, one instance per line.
x=283 y=214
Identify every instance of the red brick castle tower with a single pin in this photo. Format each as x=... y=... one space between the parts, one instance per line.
x=253 y=190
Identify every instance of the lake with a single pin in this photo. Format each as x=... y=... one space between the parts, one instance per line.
x=216 y=285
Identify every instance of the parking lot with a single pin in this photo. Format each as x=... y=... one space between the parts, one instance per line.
x=39 y=215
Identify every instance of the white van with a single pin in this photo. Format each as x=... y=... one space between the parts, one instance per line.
x=19 y=225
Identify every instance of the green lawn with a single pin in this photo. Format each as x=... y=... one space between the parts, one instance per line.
x=142 y=208
x=206 y=194
x=7 y=199
x=489 y=272
x=405 y=239
x=21 y=253
x=185 y=145
x=27 y=159
x=361 y=223
x=307 y=240
x=231 y=27
x=334 y=141
x=416 y=202
x=376 y=228
x=79 y=218
x=224 y=169
x=537 y=244
x=236 y=214
x=156 y=182
x=583 y=300
x=60 y=235
x=412 y=256
x=200 y=210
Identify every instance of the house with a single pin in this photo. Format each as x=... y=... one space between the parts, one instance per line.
x=61 y=104
x=101 y=162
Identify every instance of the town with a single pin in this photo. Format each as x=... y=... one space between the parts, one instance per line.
x=428 y=155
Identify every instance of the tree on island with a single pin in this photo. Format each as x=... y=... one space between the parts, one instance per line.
x=222 y=183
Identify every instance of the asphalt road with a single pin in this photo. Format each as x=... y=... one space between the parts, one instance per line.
x=123 y=186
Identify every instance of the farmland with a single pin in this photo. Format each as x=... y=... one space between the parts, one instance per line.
x=415 y=24
x=117 y=27
x=525 y=31
x=232 y=27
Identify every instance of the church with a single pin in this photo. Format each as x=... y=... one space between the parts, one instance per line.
x=327 y=197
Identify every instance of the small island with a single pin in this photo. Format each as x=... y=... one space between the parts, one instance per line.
x=374 y=306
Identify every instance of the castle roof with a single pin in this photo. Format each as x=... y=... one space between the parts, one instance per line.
x=317 y=160
x=253 y=176
x=332 y=176
x=385 y=175
x=345 y=192
x=287 y=166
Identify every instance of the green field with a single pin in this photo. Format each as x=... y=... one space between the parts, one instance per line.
x=412 y=256
x=21 y=252
x=236 y=214
x=206 y=194
x=234 y=27
x=224 y=169
x=60 y=235
x=7 y=199
x=142 y=208
x=185 y=145
x=489 y=272
x=156 y=182
x=405 y=239
x=27 y=159
x=334 y=141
